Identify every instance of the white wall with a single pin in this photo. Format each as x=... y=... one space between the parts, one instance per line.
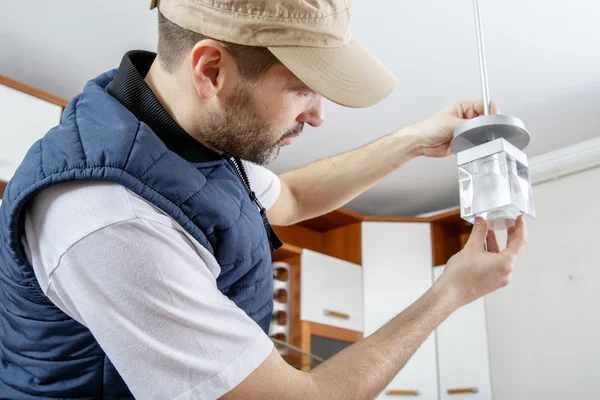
x=544 y=328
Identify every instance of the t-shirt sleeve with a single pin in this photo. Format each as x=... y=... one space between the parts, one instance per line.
x=265 y=184
x=154 y=307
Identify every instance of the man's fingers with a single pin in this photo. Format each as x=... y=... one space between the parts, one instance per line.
x=517 y=238
x=472 y=109
x=492 y=242
x=478 y=234
x=494 y=109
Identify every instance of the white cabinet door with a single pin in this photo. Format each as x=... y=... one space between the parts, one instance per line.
x=397 y=264
x=24 y=120
x=463 y=355
x=331 y=291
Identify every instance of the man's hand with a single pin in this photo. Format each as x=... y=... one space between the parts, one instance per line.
x=475 y=271
x=433 y=135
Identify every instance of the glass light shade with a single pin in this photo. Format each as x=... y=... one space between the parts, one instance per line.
x=497 y=188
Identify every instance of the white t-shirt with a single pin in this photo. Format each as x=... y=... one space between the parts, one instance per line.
x=144 y=287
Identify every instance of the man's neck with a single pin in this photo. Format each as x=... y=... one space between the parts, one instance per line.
x=164 y=86
x=169 y=92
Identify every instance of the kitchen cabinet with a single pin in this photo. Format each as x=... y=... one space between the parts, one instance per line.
x=463 y=356
x=331 y=291
x=25 y=118
x=397 y=270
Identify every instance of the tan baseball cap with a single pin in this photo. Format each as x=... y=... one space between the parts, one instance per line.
x=310 y=37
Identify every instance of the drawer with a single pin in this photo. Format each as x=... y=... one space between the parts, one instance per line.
x=331 y=291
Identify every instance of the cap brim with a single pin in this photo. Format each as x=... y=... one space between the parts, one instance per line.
x=349 y=75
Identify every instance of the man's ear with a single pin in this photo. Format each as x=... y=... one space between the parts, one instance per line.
x=211 y=64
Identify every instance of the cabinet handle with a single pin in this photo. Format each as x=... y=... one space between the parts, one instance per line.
x=336 y=314
x=402 y=393
x=463 y=390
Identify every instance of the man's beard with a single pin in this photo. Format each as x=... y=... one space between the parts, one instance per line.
x=239 y=131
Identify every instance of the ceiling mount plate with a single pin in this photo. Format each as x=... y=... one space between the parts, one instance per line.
x=486 y=128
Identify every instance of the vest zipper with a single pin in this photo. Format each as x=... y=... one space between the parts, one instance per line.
x=274 y=241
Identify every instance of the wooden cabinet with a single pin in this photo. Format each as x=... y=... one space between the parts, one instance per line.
x=397 y=270
x=316 y=275
x=25 y=118
x=331 y=291
x=463 y=357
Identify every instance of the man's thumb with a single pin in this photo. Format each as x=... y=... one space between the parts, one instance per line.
x=478 y=234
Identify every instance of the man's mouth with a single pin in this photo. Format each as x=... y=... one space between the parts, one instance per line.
x=288 y=138
x=286 y=142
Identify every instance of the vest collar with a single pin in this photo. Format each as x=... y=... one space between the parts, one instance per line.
x=130 y=89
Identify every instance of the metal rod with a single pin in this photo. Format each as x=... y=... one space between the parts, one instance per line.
x=289 y=346
x=482 y=65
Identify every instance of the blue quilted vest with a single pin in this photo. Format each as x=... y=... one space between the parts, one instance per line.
x=45 y=353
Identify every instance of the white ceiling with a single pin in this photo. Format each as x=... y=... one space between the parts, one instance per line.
x=543 y=61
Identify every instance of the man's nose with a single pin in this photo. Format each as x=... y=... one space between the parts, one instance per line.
x=315 y=114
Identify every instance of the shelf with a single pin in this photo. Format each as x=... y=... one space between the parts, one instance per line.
x=340 y=241
x=452 y=218
x=332 y=220
x=286 y=251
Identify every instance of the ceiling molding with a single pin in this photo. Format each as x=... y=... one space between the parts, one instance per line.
x=565 y=161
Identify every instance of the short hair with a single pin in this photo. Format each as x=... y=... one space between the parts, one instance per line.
x=175 y=42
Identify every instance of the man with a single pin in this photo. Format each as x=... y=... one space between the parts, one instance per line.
x=136 y=245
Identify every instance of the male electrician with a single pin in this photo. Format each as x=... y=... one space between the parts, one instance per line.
x=135 y=251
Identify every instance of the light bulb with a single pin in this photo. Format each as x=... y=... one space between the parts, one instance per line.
x=494 y=185
x=491 y=187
